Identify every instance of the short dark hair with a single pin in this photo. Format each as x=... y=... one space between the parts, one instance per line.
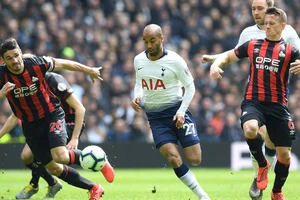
x=277 y=12
x=8 y=44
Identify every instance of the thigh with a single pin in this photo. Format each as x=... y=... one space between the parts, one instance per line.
x=170 y=150
x=163 y=131
x=39 y=145
x=193 y=152
x=252 y=110
x=187 y=135
x=57 y=133
x=281 y=131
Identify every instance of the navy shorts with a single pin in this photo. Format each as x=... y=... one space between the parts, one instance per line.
x=164 y=130
x=275 y=116
x=46 y=134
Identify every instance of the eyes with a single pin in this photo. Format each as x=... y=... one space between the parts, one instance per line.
x=10 y=58
x=258 y=9
x=151 y=41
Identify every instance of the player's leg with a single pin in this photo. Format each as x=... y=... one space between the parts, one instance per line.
x=254 y=192
x=33 y=187
x=37 y=171
x=251 y=119
x=107 y=170
x=254 y=141
x=282 y=133
x=56 y=142
x=171 y=153
x=72 y=177
x=190 y=143
x=270 y=151
x=281 y=171
x=194 y=157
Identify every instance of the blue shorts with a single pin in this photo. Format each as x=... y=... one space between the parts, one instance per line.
x=164 y=130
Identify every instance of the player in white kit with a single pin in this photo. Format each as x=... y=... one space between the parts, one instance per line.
x=160 y=76
x=257 y=31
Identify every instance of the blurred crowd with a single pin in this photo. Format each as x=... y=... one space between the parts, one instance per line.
x=108 y=33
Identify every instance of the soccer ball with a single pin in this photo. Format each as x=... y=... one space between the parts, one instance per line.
x=92 y=158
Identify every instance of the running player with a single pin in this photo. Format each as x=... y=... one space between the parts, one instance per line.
x=257 y=31
x=266 y=96
x=74 y=116
x=22 y=82
x=160 y=75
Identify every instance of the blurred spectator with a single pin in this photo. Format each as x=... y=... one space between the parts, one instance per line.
x=119 y=132
x=108 y=33
x=232 y=130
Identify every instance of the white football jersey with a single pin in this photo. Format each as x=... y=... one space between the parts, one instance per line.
x=254 y=32
x=160 y=81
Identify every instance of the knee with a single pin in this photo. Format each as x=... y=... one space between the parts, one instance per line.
x=61 y=157
x=26 y=157
x=55 y=169
x=250 y=130
x=284 y=157
x=195 y=161
x=175 y=161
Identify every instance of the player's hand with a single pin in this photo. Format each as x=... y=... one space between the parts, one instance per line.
x=73 y=144
x=136 y=104
x=179 y=118
x=6 y=88
x=295 y=67
x=207 y=58
x=215 y=72
x=95 y=73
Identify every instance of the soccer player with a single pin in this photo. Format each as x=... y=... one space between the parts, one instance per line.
x=22 y=82
x=257 y=31
x=74 y=116
x=265 y=100
x=160 y=75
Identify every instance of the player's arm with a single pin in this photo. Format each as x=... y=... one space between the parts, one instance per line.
x=63 y=64
x=138 y=90
x=189 y=92
x=10 y=123
x=187 y=80
x=209 y=58
x=74 y=102
x=223 y=60
x=244 y=36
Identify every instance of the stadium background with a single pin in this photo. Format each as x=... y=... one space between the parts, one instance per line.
x=108 y=33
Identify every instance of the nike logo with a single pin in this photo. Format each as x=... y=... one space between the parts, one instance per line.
x=140 y=68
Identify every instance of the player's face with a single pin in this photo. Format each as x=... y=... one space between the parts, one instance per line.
x=153 y=44
x=274 y=27
x=13 y=60
x=259 y=8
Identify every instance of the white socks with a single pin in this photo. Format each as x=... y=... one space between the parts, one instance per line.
x=191 y=182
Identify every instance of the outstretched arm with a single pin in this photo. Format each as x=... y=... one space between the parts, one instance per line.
x=63 y=64
x=222 y=60
x=74 y=102
x=209 y=58
x=10 y=123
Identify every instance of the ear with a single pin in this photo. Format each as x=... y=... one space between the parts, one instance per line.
x=283 y=25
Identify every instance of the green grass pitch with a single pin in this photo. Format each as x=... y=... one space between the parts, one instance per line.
x=137 y=184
